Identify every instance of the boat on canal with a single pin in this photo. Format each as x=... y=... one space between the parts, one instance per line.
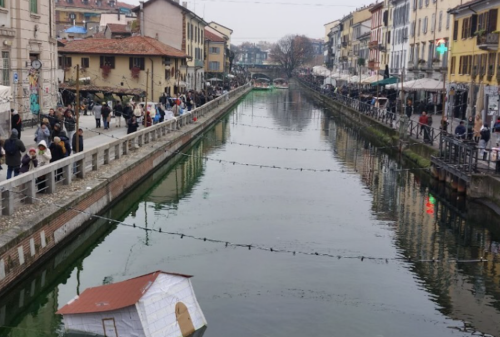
x=262 y=84
x=155 y=304
x=280 y=83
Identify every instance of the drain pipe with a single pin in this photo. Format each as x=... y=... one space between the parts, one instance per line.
x=152 y=78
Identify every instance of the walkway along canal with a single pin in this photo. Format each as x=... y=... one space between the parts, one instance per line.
x=451 y=161
x=394 y=256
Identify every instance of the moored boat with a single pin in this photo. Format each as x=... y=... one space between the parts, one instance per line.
x=262 y=84
x=280 y=83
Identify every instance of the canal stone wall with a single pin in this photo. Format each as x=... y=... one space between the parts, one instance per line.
x=52 y=220
x=418 y=153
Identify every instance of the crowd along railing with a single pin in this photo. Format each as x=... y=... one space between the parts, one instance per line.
x=25 y=188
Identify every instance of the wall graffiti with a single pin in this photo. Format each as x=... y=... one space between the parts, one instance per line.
x=34 y=91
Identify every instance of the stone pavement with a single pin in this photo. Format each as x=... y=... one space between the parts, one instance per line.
x=92 y=137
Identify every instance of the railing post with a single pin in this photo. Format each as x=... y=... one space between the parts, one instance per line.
x=31 y=190
x=117 y=151
x=67 y=174
x=106 y=156
x=81 y=163
x=95 y=161
x=7 y=202
x=50 y=178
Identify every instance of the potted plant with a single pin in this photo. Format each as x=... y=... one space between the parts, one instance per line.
x=135 y=72
x=106 y=70
x=421 y=63
x=481 y=36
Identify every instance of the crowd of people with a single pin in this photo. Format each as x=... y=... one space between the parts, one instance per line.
x=474 y=130
x=56 y=136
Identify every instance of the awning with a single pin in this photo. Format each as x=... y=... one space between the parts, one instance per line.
x=371 y=79
x=390 y=80
x=106 y=90
x=76 y=30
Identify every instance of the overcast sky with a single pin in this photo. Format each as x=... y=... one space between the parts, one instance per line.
x=269 y=20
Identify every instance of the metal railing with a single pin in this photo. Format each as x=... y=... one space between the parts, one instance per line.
x=425 y=133
x=24 y=188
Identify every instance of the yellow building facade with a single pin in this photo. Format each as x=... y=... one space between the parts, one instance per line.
x=135 y=65
x=474 y=56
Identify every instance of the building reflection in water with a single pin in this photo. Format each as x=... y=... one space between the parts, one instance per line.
x=431 y=222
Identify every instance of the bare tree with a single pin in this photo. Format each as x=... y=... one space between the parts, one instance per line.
x=291 y=52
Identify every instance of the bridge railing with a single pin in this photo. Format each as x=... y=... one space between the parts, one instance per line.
x=47 y=179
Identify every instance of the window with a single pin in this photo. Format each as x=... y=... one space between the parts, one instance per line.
x=426 y=21
x=2 y=3
x=491 y=63
x=473 y=25
x=465 y=28
x=5 y=68
x=448 y=17
x=167 y=74
x=214 y=50
x=414 y=5
x=136 y=62
x=65 y=62
x=460 y=65
x=412 y=29
x=417 y=51
x=192 y=31
x=452 y=68
x=455 y=30
x=419 y=26
x=34 y=6
x=426 y=3
x=492 y=20
x=440 y=22
x=108 y=61
x=420 y=3
x=483 y=63
x=213 y=66
x=433 y=22
x=85 y=62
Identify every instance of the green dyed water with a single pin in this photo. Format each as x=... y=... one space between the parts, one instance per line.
x=364 y=207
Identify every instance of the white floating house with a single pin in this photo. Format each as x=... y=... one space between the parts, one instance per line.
x=159 y=304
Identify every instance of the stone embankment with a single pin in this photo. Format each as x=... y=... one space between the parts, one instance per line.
x=34 y=225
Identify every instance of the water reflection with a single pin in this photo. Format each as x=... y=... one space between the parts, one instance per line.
x=430 y=222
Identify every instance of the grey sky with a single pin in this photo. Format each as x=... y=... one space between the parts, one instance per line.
x=269 y=20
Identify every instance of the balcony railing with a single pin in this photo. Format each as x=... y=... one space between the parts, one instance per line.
x=488 y=41
x=198 y=63
x=373 y=44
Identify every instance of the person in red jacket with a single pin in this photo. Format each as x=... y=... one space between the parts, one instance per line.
x=422 y=121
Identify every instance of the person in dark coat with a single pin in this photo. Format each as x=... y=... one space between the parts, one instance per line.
x=106 y=112
x=16 y=122
x=13 y=148
x=460 y=131
x=132 y=125
x=118 y=110
x=56 y=131
x=69 y=123
x=79 y=134
x=67 y=143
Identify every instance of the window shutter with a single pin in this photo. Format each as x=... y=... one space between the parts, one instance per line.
x=492 y=20
x=130 y=62
x=473 y=25
x=455 y=30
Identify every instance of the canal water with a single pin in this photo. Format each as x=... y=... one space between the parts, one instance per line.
x=315 y=185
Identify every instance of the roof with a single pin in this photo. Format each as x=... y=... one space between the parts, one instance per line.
x=112 y=296
x=465 y=5
x=218 y=24
x=134 y=45
x=213 y=37
x=376 y=7
x=117 y=28
x=91 y=5
x=172 y=2
x=76 y=30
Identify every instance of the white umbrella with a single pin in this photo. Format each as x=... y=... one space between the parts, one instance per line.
x=372 y=79
x=423 y=84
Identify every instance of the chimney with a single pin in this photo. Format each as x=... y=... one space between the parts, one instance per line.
x=185 y=4
x=141 y=4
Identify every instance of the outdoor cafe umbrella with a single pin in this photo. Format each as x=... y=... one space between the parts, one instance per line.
x=423 y=84
x=371 y=79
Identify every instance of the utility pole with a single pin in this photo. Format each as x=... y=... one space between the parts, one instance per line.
x=147 y=88
x=77 y=108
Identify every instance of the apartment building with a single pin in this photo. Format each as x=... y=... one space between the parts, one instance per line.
x=86 y=13
x=376 y=45
x=177 y=26
x=215 y=60
x=28 y=50
x=399 y=15
x=345 y=57
x=360 y=35
x=430 y=37
x=474 y=55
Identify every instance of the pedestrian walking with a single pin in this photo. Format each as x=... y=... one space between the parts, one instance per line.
x=78 y=134
x=16 y=122
x=118 y=111
x=96 y=110
x=13 y=148
x=470 y=128
x=485 y=135
x=478 y=125
x=42 y=133
x=69 y=124
x=106 y=115
x=422 y=121
x=29 y=161
x=460 y=131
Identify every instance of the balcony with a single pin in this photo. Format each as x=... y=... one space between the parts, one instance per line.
x=198 y=63
x=381 y=47
x=488 y=41
x=373 y=44
x=344 y=44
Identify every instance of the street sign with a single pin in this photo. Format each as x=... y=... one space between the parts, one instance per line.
x=16 y=78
